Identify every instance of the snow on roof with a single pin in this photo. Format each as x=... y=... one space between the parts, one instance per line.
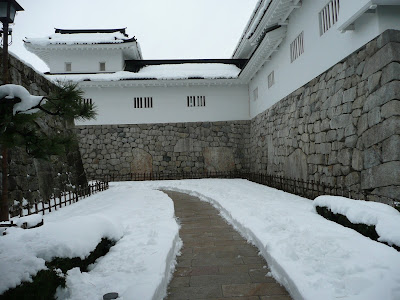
x=11 y=91
x=172 y=71
x=81 y=39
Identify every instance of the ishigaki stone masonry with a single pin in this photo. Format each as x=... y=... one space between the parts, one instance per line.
x=341 y=128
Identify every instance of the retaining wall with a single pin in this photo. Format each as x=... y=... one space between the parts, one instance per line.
x=342 y=128
x=37 y=179
x=172 y=147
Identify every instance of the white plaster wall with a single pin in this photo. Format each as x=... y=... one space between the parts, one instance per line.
x=320 y=52
x=86 y=60
x=116 y=105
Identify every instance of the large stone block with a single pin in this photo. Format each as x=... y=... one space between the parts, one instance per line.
x=388 y=36
x=341 y=121
x=385 y=94
x=391 y=72
x=142 y=161
x=391 y=108
x=372 y=157
x=387 y=174
x=392 y=192
x=344 y=156
x=374 y=116
x=295 y=165
x=357 y=160
x=387 y=54
x=373 y=81
x=185 y=145
x=352 y=179
x=391 y=148
x=219 y=159
x=381 y=131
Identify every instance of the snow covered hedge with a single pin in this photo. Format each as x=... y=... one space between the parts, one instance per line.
x=377 y=221
x=138 y=266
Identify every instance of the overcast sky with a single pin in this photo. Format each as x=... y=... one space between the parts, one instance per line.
x=165 y=29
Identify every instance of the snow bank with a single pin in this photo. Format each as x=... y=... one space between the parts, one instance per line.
x=23 y=252
x=384 y=217
x=31 y=220
x=167 y=71
x=312 y=257
x=139 y=264
x=11 y=91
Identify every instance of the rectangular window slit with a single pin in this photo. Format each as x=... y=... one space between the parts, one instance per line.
x=143 y=102
x=196 y=101
x=328 y=16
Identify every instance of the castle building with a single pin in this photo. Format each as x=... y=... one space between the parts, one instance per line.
x=285 y=44
x=292 y=100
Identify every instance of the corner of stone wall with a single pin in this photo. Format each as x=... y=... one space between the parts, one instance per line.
x=34 y=179
x=342 y=128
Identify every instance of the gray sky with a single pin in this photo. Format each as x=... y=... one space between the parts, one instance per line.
x=165 y=29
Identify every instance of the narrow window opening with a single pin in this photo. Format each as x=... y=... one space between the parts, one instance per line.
x=143 y=102
x=68 y=67
x=193 y=101
x=102 y=66
x=271 y=79
x=328 y=16
x=255 y=94
x=88 y=101
x=297 y=47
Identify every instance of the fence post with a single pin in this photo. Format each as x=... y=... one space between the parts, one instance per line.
x=49 y=205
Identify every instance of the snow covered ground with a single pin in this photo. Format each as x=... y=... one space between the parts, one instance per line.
x=137 y=267
x=312 y=257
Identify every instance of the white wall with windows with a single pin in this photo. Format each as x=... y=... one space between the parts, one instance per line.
x=81 y=60
x=319 y=52
x=170 y=104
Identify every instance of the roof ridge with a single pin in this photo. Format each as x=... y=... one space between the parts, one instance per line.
x=76 y=31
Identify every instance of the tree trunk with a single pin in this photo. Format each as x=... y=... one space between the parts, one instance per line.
x=4 y=216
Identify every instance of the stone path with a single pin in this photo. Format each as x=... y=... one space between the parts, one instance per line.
x=216 y=262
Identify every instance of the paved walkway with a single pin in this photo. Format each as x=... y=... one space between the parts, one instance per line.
x=216 y=262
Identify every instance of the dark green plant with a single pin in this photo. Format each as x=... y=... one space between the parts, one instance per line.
x=364 y=229
x=23 y=130
x=44 y=284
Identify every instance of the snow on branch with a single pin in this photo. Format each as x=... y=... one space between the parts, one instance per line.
x=26 y=104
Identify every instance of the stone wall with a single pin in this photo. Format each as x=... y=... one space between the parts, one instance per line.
x=34 y=179
x=173 y=147
x=341 y=128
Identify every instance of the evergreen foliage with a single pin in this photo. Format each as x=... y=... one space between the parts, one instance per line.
x=23 y=130
x=44 y=284
x=364 y=229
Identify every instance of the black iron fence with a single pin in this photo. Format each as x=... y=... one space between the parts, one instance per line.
x=163 y=176
x=58 y=201
x=308 y=189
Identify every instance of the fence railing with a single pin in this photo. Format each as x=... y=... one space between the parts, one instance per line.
x=59 y=201
x=307 y=189
x=163 y=176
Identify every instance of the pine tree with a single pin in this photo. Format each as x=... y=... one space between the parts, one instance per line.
x=22 y=130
